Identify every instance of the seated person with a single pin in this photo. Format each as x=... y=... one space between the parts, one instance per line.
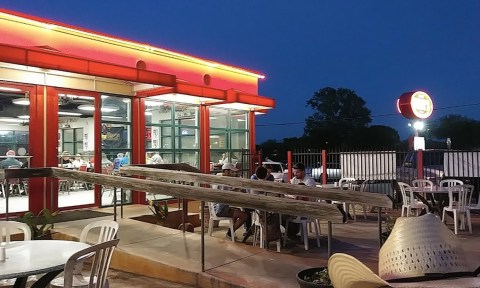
x=156 y=159
x=10 y=161
x=79 y=161
x=65 y=160
x=224 y=210
x=117 y=162
x=269 y=177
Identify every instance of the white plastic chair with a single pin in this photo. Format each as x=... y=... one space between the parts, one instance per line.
x=7 y=229
x=450 y=182
x=256 y=222
x=97 y=277
x=214 y=217
x=409 y=201
x=305 y=223
x=347 y=183
x=107 y=229
x=470 y=205
x=459 y=206
x=424 y=184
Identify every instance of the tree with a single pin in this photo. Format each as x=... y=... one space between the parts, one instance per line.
x=376 y=137
x=338 y=113
x=462 y=131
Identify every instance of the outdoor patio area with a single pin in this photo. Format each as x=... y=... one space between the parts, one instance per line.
x=163 y=253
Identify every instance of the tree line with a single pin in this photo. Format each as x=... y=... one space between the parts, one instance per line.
x=341 y=120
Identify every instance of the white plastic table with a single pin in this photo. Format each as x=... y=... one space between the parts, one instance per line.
x=25 y=258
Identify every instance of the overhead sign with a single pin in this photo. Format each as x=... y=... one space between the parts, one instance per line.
x=415 y=105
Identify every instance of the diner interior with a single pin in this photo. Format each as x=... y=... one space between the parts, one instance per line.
x=171 y=132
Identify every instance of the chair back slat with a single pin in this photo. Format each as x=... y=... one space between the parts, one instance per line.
x=108 y=230
x=101 y=262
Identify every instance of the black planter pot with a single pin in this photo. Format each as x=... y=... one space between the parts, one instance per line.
x=307 y=272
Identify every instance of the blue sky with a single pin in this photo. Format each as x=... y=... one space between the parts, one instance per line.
x=378 y=48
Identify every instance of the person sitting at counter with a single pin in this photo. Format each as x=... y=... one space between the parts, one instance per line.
x=10 y=161
x=65 y=160
x=79 y=161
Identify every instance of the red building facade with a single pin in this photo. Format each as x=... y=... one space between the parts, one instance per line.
x=99 y=97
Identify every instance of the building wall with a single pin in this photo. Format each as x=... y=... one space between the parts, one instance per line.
x=71 y=42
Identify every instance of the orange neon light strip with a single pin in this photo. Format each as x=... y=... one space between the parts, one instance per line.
x=60 y=27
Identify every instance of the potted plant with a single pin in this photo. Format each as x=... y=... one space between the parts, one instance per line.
x=41 y=224
x=160 y=213
x=314 y=277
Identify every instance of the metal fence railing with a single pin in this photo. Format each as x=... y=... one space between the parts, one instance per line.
x=380 y=169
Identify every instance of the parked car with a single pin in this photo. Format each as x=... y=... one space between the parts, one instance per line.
x=279 y=171
x=433 y=166
x=333 y=172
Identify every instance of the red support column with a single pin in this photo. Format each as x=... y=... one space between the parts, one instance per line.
x=97 y=150
x=39 y=188
x=138 y=143
x=204 y=139
x=420 y=164
x=251 y=128
x=324 y=167
x=290 y=164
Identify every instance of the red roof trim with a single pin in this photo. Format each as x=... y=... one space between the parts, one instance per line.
x=53 y=60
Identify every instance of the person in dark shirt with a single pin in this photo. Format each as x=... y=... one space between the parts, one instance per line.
x=269 y=176
x=10 y=161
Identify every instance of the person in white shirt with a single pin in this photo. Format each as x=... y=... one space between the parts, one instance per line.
x=79 y=161
x=300 y=176
x=156 y=159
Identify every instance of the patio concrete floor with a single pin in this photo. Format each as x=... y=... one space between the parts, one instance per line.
x=175 y=257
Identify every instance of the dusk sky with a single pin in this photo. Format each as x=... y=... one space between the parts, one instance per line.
x=380 y=49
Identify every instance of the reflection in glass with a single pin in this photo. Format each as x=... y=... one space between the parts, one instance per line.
x=238 y=119
x=218 y=118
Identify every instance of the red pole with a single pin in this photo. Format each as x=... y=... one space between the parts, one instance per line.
x=290 y=165
x=420 y=163
x=324 y=167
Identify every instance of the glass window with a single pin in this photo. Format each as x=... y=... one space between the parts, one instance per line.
x=166 y=137
x=116 y=108
x=172 y=131
x=218 y=118
x=189 y=157
x=218 y=139
x=157 y=112
x=115 y=136
x=239 y=140
x=68 y=135
x=238 y=120
x=186 y=138
x=72 y=140
x=227 y=141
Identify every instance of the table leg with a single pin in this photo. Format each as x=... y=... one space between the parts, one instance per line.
x=21 y=282
x=45 y=280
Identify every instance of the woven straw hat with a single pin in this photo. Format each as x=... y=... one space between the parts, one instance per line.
x=418 y=251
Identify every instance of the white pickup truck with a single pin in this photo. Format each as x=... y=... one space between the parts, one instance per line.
x=279 y=171
x=333 y=173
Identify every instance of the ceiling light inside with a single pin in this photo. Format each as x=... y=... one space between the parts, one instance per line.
x=153 y=103
x=24 y=116
x=9 y=89
x=12 y=120
x=69 y=113
x=21 y=101
x=86 y=107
